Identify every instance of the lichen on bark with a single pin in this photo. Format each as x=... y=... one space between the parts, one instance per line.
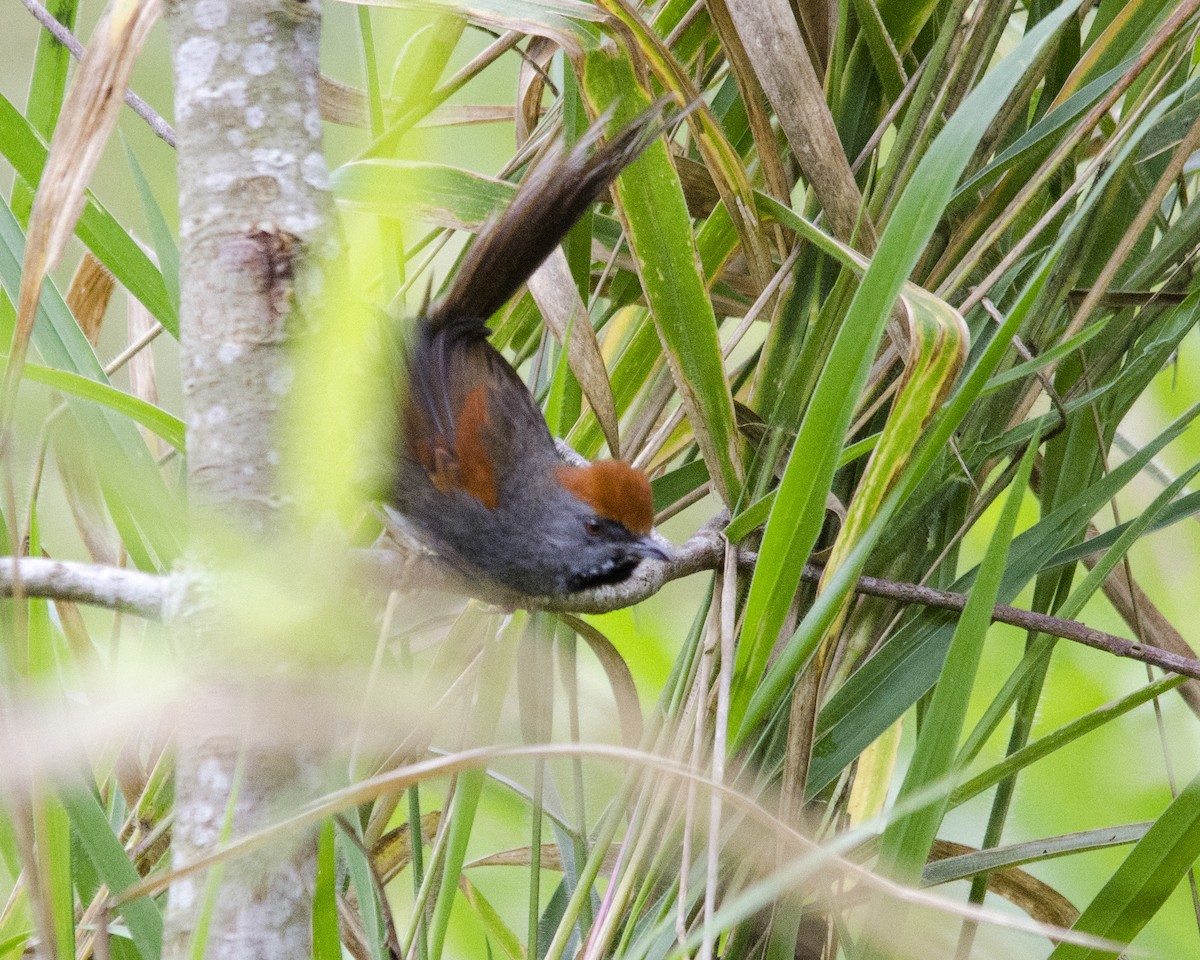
x=252 y=200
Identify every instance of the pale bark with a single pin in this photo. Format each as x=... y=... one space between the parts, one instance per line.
x=417 y=571
x=252 y=180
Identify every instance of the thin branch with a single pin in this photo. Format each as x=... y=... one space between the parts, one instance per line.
x=911 y=593
x=403 y=563
x=1148 y=623
x=115 y=588
x=411 y=568
x=154 y=120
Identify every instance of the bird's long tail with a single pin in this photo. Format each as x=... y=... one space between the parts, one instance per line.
x=553 y=196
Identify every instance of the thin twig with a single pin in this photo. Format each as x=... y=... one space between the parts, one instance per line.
x=911 y=593
x=726 y=629
x=93 y=583
x=163 y=130
x=809 y=856
x=149 y=596
x=705 y=551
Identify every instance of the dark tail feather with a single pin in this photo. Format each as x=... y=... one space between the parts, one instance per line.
x=551 y=198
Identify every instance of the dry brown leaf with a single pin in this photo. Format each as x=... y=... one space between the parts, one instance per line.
x=88 y=116
x=777 y=52
x=699 y=191
x=554 y=291
x=468 y=114
x=558 y=28
x=88 y=295
x=760 y=121
x=75 y=630
x=341 y=103
x=818 y=22
x=1023 y=890
x=551 y=859
x=350 y=925
x=531 y=81
x=392 y=852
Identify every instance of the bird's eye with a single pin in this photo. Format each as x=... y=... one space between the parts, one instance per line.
x=593 y=526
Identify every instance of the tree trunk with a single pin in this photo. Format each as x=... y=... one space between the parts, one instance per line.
x=252 y=179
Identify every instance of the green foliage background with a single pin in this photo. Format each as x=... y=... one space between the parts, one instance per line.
x=1113 y=776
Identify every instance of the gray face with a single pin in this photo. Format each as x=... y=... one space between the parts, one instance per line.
x=565 y=546
x=609 y=555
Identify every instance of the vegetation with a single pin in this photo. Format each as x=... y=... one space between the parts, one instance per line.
x=906 y=297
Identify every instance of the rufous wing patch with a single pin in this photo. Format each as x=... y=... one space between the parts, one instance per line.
x=477 y=476
x=467 y=465
x=614 y=490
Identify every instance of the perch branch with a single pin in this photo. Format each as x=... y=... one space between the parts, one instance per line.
x=411 y=569
x=130 y=591
x=911 y=593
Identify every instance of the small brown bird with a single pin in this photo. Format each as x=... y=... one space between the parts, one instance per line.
x=478 y=473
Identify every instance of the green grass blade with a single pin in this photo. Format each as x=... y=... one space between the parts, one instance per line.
x=47 y=84
x=1069 y=733
x=1041 y=138
x=327 y=942
x=798 y=513
x=1033 y=851
x=1142 y=883
x=908 y=840
x=907 y=666
x=368 y=902
x=493 y=922
x=134 y=486
x=153 y=418
x=500 y=648
x=97 y=228
x=445 y=195
x=51 y=824
x=113 y=867
x=160 y=230
x=659 y=228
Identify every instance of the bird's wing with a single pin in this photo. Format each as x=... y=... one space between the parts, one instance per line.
x=465 y=412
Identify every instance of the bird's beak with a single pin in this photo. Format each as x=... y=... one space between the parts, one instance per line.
x=653 y=550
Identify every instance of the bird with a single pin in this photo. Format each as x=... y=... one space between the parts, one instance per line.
x=477 y=471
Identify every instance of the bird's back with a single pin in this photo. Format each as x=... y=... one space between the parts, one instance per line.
x=476 y=463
